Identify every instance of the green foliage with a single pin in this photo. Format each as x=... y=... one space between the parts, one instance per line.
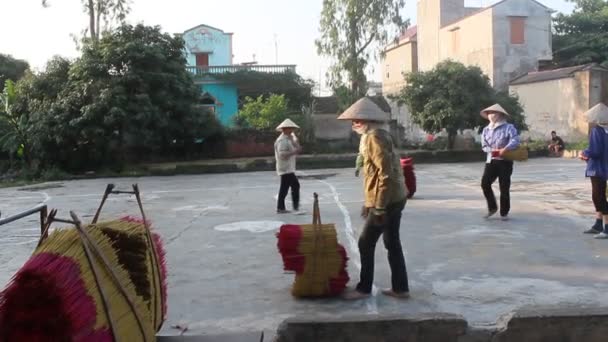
x=348 y=29
x=128 y=96
x=345 y=97
x=307 y=125
x=53 y=174
x=582 y=36
x=13 y=125
x=11 y=68
x=537 y=145
x=510 y=102
x=577 y=145
x=263 y=113
x=450 y=97
x=447 y=97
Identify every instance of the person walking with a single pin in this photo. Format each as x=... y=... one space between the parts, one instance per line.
x=596 y=156
x=498 y=137
x=385 y=197
x=286 y=148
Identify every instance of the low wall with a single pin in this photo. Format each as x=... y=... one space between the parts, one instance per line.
x=427 y=328
x=310 y=162
x=524 y=325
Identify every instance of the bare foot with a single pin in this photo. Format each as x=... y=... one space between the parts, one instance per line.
x=400 y=295
x=354 y=295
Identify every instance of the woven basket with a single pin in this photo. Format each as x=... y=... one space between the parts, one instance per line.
x=313 y=252
x=518 y=154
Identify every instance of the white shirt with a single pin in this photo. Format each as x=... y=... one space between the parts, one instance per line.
x=283 y=146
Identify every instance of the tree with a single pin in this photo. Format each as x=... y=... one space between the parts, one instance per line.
x=348 y=30
x=107 y=11
x=39 y=97
x=582 y=36
x=13 y=125
x=128 y=96
x=450 y=97
x=11 y=68
x=263 y=113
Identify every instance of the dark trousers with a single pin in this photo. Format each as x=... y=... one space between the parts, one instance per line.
x=367 y=247
x=289 y=180
x=501 y=169
x=598 y=194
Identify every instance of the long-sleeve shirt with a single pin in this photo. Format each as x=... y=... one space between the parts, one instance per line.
x=285 y=148
x=503 y=135
x=383 y=177
x=597 y=165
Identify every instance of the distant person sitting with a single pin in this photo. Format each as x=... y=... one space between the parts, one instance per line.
x=556 y=148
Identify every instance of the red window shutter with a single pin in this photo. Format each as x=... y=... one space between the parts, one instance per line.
x=202 y=59
x=518 y=25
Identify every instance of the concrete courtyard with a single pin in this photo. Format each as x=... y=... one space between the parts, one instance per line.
x=225 y=274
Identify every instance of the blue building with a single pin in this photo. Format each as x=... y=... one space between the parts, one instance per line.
x=209 y=55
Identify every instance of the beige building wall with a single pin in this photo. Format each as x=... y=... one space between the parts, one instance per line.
x=556 y=105
x=470 y=41
x=599 y=87
x=431 y=16
x=513 y=60
x=483 y=38
x=398 y=61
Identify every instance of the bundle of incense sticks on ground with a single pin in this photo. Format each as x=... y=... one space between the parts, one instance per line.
x=312 y=251
x=97 y=282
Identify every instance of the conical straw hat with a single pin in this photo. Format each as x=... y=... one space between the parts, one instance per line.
x=287 y=123
x=364 y=109
x=493 y=108
x=598 y=114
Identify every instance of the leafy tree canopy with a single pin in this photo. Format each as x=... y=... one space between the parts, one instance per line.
x=127 y=96
x=11 y=69
x=450 y=97
x=349 y=30
x=582 y=36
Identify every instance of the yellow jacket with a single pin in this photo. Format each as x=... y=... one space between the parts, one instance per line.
x=383 y=177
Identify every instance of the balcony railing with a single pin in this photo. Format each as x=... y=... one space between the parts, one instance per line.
x=222 y=69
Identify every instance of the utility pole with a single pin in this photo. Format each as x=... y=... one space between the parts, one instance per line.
x=276 y=50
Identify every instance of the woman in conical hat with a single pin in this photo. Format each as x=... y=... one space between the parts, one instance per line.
x=498 y=137
x=385 y=197
x=286 y=147
x=596 y=156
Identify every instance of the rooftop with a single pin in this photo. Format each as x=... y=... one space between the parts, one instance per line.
x=555 y=74
x=473 y=11
x=408 y=35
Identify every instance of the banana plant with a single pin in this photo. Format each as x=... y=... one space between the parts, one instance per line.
x=13 y=126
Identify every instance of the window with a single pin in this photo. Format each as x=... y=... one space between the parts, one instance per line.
x=518 y=25
x=202 y=59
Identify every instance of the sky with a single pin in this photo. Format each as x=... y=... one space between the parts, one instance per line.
x=267 y=31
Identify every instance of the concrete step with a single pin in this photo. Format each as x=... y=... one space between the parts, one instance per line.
x=238 y=337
